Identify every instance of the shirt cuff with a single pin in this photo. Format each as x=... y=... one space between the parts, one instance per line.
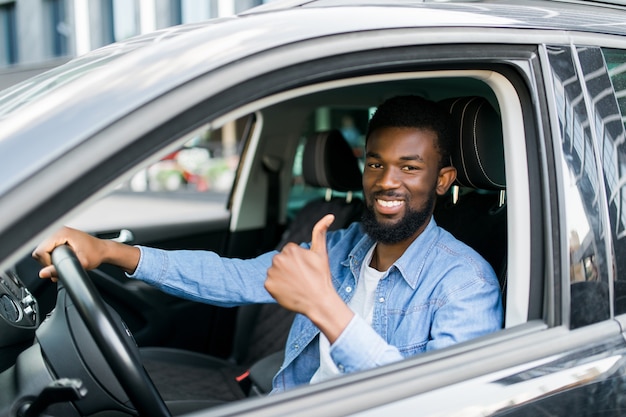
x=359 y=347
x=148 y=258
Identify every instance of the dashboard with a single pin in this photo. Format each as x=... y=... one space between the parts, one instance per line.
x=18 y=307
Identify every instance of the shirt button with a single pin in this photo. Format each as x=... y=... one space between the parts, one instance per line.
x=296 y=346
x=348 y=289
x=381 y=300
x=340 y=367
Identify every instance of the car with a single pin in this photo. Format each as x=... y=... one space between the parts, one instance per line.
x=194 y=137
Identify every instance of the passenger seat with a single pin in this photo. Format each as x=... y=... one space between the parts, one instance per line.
x=474 y=210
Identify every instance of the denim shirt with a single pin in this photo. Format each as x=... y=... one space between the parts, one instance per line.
x=439 y=292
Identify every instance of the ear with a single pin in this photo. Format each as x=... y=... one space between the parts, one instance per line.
x=447 y=175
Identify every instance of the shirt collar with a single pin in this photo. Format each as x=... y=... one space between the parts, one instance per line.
x=411 y=263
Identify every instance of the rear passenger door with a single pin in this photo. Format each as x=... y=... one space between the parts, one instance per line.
x=588 y=133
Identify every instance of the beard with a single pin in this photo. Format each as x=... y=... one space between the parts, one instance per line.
x=403 y=229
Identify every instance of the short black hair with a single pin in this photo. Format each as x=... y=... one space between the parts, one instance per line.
x=420 y=113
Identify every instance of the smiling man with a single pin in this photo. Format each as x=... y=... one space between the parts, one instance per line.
x=417 y=287
x=381 y=290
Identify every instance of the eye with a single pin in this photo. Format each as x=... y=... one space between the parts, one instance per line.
x=374 y=165
x=410 y=168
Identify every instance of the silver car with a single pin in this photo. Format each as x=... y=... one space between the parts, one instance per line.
x=195 y=137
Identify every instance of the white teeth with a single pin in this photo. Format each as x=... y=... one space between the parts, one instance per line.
x=394 y=203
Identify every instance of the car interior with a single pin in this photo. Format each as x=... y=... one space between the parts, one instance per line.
x=292 y=158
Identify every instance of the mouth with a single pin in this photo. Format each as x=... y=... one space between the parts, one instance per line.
x=389 y=207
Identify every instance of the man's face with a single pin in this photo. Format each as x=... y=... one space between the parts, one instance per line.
x=400 y=182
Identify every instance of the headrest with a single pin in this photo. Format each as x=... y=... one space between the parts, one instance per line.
x=328 y=162
x=479 y=156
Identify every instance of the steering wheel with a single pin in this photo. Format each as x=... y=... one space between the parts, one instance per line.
x=118 y=352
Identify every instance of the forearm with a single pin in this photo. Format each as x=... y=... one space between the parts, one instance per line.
x=331 y=316
x=121 y=255
x=204 y=276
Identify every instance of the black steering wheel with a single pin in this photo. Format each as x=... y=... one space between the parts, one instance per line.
x=118 y=352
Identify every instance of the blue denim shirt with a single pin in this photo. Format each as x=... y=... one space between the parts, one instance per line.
x=439 y=292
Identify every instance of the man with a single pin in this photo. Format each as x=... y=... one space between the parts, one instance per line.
x=374 y=293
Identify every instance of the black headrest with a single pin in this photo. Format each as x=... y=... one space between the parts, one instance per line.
x=479 y=156
x=328 y=162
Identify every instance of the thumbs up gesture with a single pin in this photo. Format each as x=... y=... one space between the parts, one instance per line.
x=299 y=279
x=297 y=274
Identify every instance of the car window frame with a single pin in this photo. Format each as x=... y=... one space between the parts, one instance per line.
x=521 y=245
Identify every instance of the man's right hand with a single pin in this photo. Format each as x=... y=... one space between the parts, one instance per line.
x=90 y=251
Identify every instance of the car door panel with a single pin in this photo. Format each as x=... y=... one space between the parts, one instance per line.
x=511 y=373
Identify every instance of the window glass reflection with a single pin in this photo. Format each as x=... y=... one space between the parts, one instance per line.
x=614 y=163
x=589 y=272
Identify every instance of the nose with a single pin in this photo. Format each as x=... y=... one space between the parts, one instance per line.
x=388 y=178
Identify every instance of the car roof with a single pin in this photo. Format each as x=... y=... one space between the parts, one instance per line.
x=290 y=4
x=274 y=28
x=91 y=92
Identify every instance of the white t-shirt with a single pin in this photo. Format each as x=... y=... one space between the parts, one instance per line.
x=362 y=303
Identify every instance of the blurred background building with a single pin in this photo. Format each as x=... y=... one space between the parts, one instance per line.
x=36 y=35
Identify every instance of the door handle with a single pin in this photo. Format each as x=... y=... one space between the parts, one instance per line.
x=125 y=236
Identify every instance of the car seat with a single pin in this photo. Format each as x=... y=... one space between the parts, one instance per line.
x=474 y=210
x=188 y=380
